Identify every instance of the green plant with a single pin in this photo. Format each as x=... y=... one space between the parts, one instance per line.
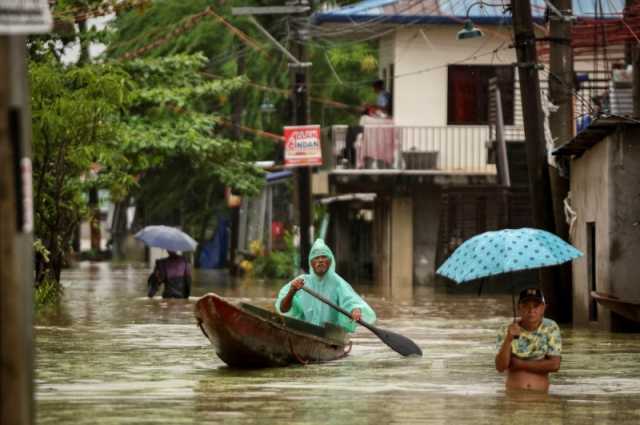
x=278 y=264
x=47 y=293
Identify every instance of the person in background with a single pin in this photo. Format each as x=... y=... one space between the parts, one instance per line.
x=174 y=272
x=382 y=107
x=530 y=348
x=323 y=279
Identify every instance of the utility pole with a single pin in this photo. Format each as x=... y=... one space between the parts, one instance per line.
x=16 y=241
x=299 y=106
x=636 y=81
x=539 y=186
x=628 y=45
x=238 y=101
x=300 y=116
x=17 y=19
x=561 y=124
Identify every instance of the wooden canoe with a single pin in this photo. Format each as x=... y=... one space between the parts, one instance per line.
x=246 y=336
x=629 y=309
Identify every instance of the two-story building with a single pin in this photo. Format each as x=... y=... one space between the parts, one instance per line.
x=432 y=166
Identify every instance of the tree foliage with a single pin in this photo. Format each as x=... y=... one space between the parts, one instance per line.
x=106 y=126
x=76 y=120
x=340 y=72
x=174 y=144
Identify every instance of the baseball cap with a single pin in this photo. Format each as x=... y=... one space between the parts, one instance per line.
x=531 y=294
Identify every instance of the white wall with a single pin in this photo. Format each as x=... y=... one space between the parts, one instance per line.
x=421 y=98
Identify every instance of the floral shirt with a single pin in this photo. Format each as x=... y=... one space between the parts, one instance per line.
x=536 y=345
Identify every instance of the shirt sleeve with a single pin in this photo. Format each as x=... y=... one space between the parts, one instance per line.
x=383 y=100
x=555 y=341
x=348 y=299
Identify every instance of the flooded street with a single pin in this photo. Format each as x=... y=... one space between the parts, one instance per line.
x=109 y=355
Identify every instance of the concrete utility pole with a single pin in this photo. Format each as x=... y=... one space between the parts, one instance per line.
x=17 y=19
x=636 y=81
x=539 y=186
x=628 y=45
x=16 y=242
x=300 y=116
x=238 y=101
x=561 y=124
x=300 y=106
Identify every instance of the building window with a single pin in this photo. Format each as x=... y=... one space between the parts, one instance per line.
x=468 y=93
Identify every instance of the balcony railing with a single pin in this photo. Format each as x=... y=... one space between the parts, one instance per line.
x=448 y=149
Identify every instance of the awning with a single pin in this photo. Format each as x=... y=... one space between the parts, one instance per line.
x=278 y=175
x=599 y=129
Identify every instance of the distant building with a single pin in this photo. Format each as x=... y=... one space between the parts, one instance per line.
x=433 y=165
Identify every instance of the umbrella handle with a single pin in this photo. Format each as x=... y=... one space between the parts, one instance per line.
x=513 y=304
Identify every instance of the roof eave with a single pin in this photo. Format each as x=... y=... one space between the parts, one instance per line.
x=321 y=18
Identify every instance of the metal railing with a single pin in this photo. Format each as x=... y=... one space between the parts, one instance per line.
x=391 y=147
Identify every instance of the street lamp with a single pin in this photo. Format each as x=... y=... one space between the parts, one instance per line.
x=470 y=30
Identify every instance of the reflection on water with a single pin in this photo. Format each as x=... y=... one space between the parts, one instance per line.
x=109 y=355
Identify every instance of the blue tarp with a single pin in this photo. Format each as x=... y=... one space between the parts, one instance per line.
x=278 y=175
x=214 y=252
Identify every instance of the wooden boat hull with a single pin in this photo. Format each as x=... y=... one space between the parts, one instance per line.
x=625 y=308
x=247 y=336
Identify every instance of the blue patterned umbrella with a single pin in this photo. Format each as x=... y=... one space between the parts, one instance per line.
x=166 y=237
x=503 y=251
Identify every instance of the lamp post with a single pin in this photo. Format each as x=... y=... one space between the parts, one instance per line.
x=470 y=30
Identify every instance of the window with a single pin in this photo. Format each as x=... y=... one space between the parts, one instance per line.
x=468 y=93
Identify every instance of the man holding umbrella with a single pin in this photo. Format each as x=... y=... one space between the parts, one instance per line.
x=529 y=349
x=174 y=271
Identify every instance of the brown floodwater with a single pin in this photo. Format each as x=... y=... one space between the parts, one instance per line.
x=109 y=355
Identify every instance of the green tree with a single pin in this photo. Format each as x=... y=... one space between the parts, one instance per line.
x=340 y=71
x=105 y=125
x=173 y=144
x=76 y=123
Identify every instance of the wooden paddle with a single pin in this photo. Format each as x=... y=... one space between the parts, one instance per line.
x=398 y=343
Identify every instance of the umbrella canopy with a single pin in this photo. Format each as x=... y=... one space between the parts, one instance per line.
x=166 y=237
x=503 y=251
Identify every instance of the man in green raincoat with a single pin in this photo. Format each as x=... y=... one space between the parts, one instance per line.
x=324 y=280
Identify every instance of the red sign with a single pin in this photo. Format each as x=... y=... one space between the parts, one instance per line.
x=302 y=146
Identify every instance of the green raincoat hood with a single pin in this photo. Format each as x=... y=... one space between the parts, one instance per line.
x=320 y=249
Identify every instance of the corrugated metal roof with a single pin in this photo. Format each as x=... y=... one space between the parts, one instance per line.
x=439 y=11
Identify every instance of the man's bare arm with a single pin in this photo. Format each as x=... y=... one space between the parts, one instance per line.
x=546 y=365
x=285 y=304
x=503 y=358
